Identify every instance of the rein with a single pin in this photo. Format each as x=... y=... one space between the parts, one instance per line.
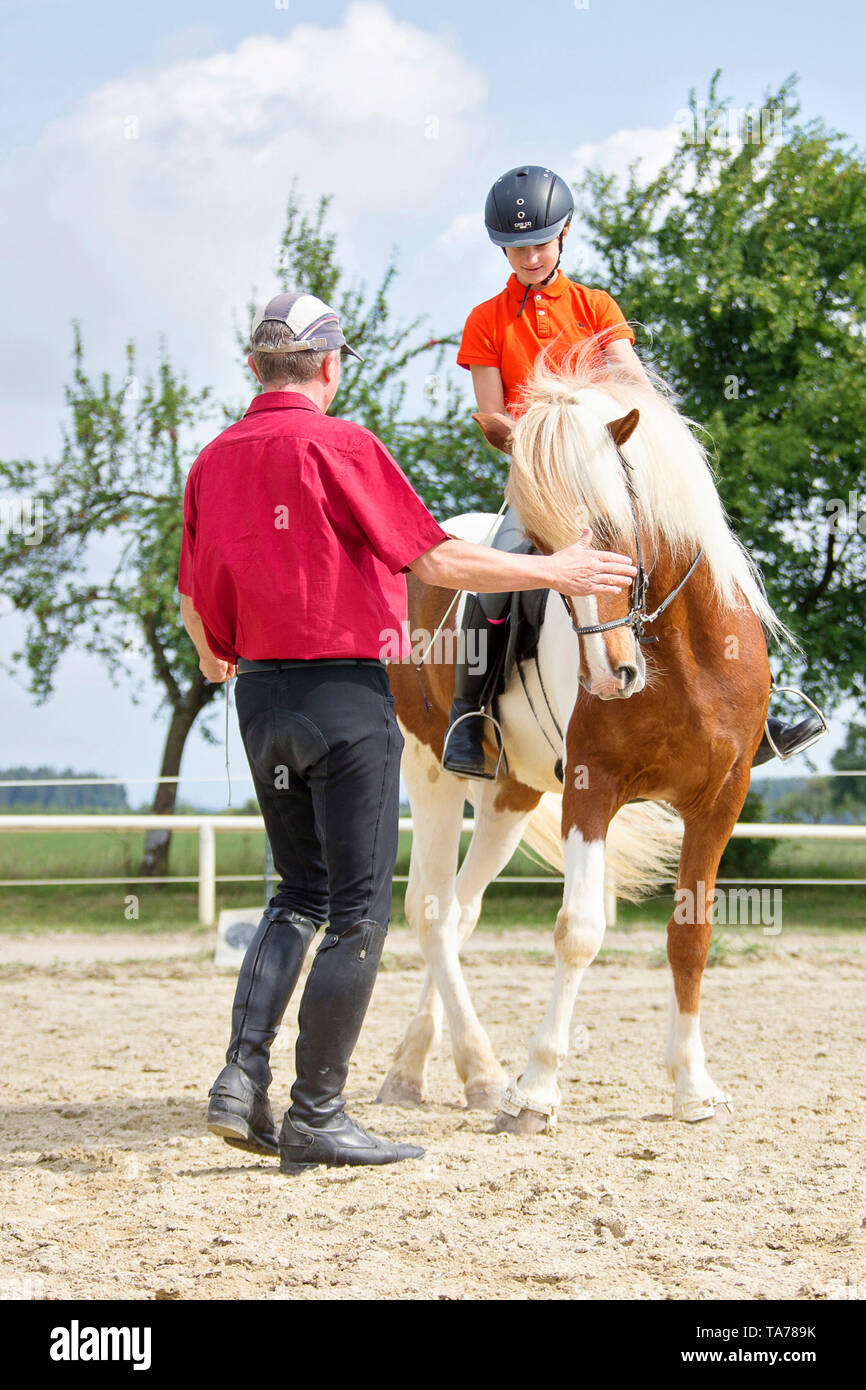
x=637 y=616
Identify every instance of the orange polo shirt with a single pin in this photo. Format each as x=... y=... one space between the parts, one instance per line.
x=555 y=317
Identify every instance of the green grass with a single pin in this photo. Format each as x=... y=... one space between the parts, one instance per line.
x=173 y=907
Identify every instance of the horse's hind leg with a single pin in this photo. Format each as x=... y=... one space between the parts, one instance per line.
x=502 y=810
x=696 y=1095
x=436 y=799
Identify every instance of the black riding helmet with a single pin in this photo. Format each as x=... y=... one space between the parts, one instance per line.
x=527 y=207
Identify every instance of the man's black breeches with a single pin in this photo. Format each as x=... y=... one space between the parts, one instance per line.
x=324 y=749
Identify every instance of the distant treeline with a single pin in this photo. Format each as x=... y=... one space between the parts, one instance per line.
x=813 y=801
x=90 y=798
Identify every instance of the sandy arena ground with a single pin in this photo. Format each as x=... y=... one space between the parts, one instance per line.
x=111 y=1187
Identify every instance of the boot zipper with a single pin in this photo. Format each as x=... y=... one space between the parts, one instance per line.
x=365 y=940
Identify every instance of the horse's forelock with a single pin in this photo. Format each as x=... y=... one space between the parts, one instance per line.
x=564 y=472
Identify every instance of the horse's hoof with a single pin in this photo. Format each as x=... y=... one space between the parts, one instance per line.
x=716 y=1110
x=396 y=1092
x=484 y=1097
x=527 y=1122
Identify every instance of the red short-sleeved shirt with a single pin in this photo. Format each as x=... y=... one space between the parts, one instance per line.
x=554 y=319
x=297 y=528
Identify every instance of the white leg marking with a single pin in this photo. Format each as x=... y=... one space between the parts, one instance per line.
x=437 y=806
x=695 y=1093
x=578 y=936
x=433 y=908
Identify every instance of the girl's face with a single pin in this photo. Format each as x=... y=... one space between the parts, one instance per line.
x=532 y=264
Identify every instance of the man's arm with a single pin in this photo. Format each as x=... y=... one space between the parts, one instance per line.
x=211 y=667
x=456 y=564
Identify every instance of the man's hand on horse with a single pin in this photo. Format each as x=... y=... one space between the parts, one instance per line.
x=216 y=671
x=582 y=570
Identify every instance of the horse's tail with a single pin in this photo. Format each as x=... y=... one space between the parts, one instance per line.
x=642 y=848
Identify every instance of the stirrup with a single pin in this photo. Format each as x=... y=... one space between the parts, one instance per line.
x=477 y=776
x=801 y=748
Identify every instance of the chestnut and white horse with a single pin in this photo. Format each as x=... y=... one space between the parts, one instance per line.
x=675 y=723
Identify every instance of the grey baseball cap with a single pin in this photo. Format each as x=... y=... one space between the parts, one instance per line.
x=313 y=324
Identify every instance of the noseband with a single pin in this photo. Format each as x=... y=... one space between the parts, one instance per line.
x=637 y=616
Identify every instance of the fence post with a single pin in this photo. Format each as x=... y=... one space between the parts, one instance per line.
x=206 y=875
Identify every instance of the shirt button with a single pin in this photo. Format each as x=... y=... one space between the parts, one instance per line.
x=538 y=296
x=541 y=311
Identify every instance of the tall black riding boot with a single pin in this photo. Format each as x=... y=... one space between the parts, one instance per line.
x=239 y=1109
x=316 y=1128
x=464 y=753
x=788 y=738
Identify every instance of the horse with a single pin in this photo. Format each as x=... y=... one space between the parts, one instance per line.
x=654 y=733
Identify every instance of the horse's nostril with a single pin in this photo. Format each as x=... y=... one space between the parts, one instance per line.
x=627 y=674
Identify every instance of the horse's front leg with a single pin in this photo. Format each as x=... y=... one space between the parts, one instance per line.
x=690 y=929
x=530 y=1103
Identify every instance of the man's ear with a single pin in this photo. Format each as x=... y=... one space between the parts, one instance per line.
x=496 y=429
x=253 y=368
x=623 y=429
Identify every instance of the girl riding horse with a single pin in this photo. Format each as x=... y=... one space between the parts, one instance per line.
x=540 y=312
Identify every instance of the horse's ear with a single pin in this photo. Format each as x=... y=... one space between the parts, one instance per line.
x=623 y=429
x=496 y=430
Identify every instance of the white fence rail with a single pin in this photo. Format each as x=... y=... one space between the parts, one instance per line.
x=206 y=827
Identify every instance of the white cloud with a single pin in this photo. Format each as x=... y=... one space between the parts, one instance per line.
x=653 y=147
x=154 y=204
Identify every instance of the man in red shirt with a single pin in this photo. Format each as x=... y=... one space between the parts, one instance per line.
x=297 y=530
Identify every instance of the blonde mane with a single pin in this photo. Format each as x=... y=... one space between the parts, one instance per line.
x=565 y=475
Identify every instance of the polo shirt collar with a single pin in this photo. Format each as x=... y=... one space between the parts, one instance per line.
x=281 y=400
x=550 y=291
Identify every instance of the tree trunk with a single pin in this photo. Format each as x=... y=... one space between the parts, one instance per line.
x=157 y=843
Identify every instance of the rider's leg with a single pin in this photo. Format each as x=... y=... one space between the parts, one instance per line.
x=483 y=631
x=788 y=738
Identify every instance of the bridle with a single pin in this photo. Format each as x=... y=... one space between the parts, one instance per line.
x=637 y=617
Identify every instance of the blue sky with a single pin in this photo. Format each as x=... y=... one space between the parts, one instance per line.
x=168 y=232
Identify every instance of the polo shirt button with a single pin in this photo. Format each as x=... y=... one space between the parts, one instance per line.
x=541 y=311
x=538 y=296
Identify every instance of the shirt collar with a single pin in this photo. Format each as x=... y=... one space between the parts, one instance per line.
x=281 y=400
x=551 y=291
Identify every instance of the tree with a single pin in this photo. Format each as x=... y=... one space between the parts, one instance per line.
x=747 y=858
x=118 y=489
x=102 y=798
x=440 y=448
x=745 y=261
x=848 y=794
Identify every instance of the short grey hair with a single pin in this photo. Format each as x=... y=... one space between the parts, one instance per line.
x=273 y=365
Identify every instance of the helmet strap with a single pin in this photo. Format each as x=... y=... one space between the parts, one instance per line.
x=558 y=259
